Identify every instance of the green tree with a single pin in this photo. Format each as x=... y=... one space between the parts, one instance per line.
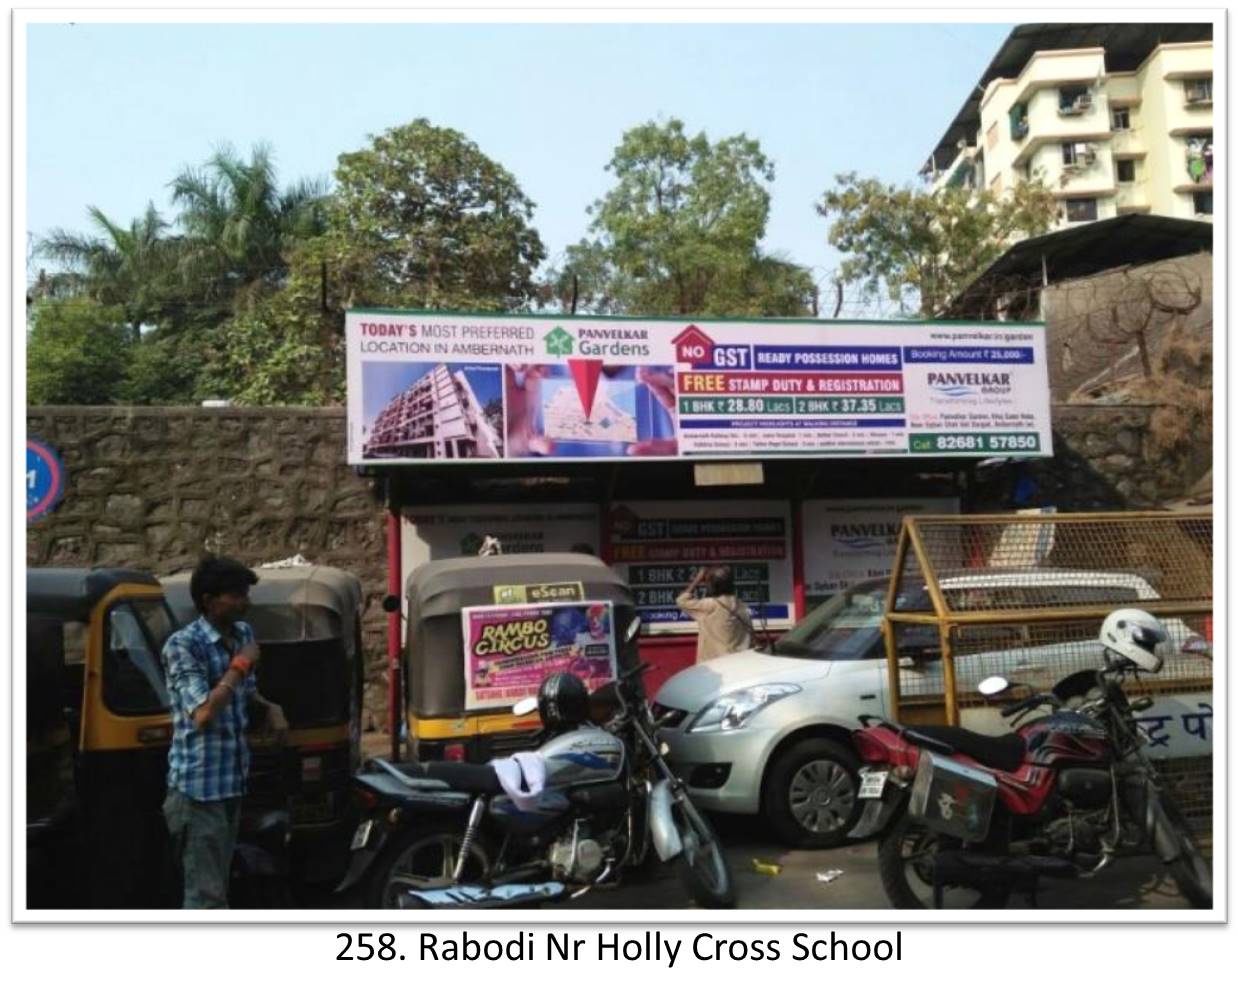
x=680 y=231
x=923 y=247
x=239 y=225
x=76 y=353
x=130 y=268
x=424 y=218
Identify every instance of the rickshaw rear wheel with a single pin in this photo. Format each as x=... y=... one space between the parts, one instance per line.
x=424 y=858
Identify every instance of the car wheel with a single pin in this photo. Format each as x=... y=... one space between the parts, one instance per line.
x=811 y=793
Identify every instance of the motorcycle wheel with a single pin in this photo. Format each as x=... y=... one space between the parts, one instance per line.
x=702 y=865
x=904 y=858
x=1189 y=870
x=423 y=859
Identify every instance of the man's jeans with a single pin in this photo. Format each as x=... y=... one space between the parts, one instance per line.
x=203 y=839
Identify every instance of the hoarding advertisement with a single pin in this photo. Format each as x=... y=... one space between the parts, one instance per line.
x=521 y=388
x=509 y=649
x=660 y=546
x=847 y=541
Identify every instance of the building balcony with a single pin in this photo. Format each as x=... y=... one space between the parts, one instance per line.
x=1128 y=144
x=1046 y=125
x=1046 y=70
x=1189 y=60
x=1132 y=198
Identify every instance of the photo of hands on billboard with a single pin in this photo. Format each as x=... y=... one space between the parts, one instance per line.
x=584 y=408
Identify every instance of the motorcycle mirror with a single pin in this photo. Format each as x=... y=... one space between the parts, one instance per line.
x=994 y=684
x=633 y=629
x=525 y=706
x=391 y=603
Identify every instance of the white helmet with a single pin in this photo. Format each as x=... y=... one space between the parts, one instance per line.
x=1135 y=635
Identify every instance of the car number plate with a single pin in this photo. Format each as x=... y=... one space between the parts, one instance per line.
x=361 y=836
x=872 y=783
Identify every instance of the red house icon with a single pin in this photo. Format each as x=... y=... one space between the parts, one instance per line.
x=693 y=346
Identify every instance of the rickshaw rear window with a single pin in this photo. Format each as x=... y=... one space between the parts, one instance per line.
x=133 y=679
x=308 y=679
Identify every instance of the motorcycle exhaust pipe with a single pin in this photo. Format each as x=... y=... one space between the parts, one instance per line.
x=482 y=897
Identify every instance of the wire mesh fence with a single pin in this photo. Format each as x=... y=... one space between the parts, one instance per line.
x=1023 y=596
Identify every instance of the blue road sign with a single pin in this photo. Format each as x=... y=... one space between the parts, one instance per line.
x=44 y=479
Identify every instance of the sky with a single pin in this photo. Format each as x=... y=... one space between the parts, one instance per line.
x=116 y=111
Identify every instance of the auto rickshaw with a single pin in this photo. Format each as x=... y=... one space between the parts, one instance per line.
x=458 y=692
x=307 y=621
x=97 y=734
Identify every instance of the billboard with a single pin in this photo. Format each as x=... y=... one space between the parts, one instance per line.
x=659 y=545
x=485 y=388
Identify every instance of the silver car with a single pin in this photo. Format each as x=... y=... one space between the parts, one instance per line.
x=770 y=732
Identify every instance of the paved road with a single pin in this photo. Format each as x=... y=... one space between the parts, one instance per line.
x=1130 y=884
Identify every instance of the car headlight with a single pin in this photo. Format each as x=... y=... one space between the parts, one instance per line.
x=733 y=710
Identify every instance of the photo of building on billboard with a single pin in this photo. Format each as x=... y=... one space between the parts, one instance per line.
x=439 y=411
x=584 y=408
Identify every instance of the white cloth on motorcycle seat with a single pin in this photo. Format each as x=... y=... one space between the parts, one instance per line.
x=523 y=776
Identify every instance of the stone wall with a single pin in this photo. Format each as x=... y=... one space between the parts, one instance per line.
x=156 y=487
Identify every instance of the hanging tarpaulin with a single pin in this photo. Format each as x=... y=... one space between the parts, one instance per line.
x=425 y=387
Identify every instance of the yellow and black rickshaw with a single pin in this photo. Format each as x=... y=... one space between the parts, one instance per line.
x=97 y=734
x=307 y=620
x=547 y=604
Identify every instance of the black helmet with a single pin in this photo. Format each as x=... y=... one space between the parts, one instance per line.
x=562 y=701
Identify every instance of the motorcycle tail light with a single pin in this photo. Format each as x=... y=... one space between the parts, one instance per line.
x=366 y=799
x=453 y=752
x=870 y=749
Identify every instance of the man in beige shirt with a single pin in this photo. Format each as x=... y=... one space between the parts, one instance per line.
x=724 y=621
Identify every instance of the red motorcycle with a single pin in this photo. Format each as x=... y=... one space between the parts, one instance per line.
x=967 y=820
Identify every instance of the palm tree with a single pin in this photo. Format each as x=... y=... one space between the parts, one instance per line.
x=238 y=224
x=130 y=267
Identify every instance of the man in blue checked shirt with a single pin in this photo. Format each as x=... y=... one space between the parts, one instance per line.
x=212 y=687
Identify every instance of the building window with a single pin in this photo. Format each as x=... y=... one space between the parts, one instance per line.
x=1120 y=118
x=1203 y=202
x=1126 y=170
x=1078 y=154
x=1198 y=91
x=1081 y=209
x=1018 y=122
x=1073 y=100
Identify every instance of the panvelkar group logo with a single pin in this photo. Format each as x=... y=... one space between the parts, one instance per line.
x=864 y=537
x=957 y=386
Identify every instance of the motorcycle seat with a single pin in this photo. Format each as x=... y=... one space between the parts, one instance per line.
x=478 y=779
x=1004 y=753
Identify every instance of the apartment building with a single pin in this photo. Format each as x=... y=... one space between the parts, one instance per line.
x=437 y=418
x=1115 y=119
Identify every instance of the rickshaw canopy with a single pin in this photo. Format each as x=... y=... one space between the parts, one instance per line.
x=440 y=590
x=444 y=587
x=288 y=604
x=70 y=593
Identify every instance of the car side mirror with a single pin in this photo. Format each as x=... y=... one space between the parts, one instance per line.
x=525 y=706
x=391 y=603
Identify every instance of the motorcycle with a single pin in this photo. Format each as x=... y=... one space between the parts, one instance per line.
x=444 y=835
x=969 y=820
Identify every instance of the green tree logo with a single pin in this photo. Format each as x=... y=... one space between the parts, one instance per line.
x=559 y=341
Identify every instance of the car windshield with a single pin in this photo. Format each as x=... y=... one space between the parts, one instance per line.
x=847 y=627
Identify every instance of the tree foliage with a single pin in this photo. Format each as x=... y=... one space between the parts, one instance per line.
x=424 y=218
x=927 y=247
x=680 y=232
x=77 y=353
